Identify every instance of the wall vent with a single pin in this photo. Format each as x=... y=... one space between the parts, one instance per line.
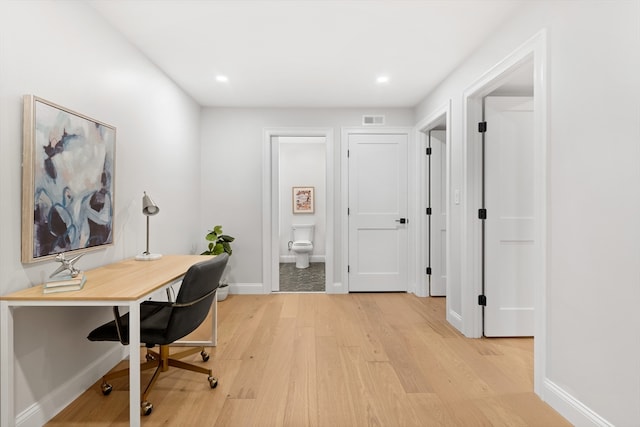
x=372 y=120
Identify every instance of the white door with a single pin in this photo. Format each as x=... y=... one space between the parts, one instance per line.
x=438 y=217
x=510 y=224
x=377 y=212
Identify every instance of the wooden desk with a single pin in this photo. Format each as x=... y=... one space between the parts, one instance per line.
x=125 y=283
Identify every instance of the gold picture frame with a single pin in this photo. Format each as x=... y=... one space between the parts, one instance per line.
x=68 y=179
x=303 y=200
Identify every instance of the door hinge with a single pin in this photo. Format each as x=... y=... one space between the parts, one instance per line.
x=482 y=300
x=347 y=153
x=429 y=271
x=348 y=212
x=482 y=127
x=348 y=269
x=428 y=151
x=482 y=213
x=428 y=211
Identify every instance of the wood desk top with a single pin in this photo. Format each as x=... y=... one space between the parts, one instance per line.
x=127 y=280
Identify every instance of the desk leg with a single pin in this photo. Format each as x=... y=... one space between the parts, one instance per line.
x=7 y=366
x=214 y=319
x=134 y=364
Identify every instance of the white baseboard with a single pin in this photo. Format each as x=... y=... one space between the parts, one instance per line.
x=337 y=288
x=571 y=408
x=455 y=319
x=246 y=288
x=44 y=410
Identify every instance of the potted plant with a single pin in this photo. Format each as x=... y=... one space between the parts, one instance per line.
x=219 y=243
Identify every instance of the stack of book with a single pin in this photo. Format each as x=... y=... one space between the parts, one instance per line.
x=64 y=283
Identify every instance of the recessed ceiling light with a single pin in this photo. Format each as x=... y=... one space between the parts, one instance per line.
x=382 y=79
x=222 y=79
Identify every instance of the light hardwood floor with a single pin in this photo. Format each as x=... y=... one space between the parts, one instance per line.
x=337 y=360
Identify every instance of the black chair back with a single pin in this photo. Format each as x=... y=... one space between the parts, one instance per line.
x=195 y=297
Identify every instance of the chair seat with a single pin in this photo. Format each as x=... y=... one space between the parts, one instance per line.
x=154 y=319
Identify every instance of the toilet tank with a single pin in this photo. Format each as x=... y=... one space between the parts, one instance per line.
x=303 y=232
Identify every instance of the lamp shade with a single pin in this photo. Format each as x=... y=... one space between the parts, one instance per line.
x=148 y=206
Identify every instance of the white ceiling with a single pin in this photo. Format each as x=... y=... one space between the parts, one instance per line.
x=306 y=53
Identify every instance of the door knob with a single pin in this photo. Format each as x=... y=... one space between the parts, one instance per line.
x=402 y=220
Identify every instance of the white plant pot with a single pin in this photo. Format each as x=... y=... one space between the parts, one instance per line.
x=223 y=291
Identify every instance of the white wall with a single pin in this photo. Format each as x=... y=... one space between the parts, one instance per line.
x=63 y=52
x=302 y=164
x=232 y=140
x=593 y=167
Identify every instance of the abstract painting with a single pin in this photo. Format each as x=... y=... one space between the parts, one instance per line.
x=67 y=182
x=303 y=200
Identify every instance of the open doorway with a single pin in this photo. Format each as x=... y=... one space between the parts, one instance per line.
x=433 y=136
x=507 y=206
x=284 y=152
x=302 y=220
x=436 y=211
x=521 y=73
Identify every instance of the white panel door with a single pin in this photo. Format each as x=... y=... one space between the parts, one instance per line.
x=510 y=224
x=438 y=225
x=377 y=203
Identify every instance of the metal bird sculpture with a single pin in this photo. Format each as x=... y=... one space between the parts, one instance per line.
x=67 y=265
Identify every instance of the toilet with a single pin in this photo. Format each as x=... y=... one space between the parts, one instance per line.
x=302 y=243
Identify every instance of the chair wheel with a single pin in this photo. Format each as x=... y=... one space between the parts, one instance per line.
x=149 y=357
x=106 y=388
x=213 y=382
x=146 y=408
x=205 y=355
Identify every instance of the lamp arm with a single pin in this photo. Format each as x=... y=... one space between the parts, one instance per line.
x=147 y=252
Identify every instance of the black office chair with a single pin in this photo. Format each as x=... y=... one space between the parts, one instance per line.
x=163 y=323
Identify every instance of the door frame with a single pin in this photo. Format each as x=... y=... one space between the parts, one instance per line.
x=421 y=131
x=534 y=51
x=271 y=205
x=344 y=188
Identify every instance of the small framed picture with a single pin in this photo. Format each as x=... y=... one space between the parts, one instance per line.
x=303 y=200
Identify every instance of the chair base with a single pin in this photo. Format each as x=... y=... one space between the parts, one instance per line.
x=161 y=361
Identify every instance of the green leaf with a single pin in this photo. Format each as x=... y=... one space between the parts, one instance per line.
x=217 y=229
x=218 y=249
x=226 y=238
x=212 y=236
x=227 y=247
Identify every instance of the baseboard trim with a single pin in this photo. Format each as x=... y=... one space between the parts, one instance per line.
x=455 y=319
x=246 y=289
x=44 y=410
x=571 y=408
x=337 y=288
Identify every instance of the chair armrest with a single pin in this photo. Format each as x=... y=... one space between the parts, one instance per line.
x=119 y=327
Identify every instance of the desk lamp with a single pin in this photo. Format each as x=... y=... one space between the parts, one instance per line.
x=149 y=208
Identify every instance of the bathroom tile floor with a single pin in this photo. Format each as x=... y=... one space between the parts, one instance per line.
x=309 y=279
